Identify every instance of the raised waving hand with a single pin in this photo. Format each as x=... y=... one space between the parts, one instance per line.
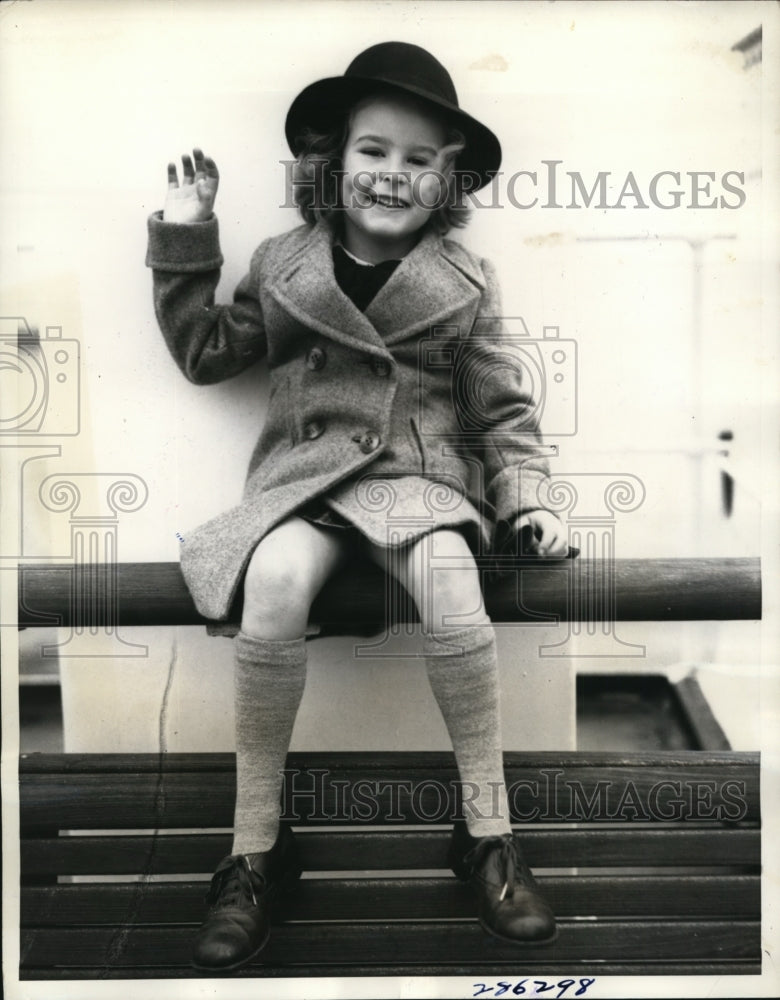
x=193 y=200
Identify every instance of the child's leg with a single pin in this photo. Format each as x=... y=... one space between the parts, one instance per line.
x=440 y=574
x=287 y=570
x=460 y=657
x=284 y=575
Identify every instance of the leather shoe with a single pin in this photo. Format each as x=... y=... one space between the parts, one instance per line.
x=510 y=904
x=238 y=923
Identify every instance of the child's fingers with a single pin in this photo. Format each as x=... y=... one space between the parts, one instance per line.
x=552 y=542
x=187 y=169
x=211 y=169
x=545 y=537
x=197 y=155
x=542 y=536
x=206 y=175
x=173 y=178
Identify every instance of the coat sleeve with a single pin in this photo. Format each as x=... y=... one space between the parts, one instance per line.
x=499 y=414
x=209 y=342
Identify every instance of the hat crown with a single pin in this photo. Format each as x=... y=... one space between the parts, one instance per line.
x=405 y=65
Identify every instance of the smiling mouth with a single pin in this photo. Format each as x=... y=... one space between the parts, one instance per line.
x=385 y=201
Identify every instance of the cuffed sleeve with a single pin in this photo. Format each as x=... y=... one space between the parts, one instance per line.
x=177 y=246
x=500 y=415
x=209 y=342
x=517 y=489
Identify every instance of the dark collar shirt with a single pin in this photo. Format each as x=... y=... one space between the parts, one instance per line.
x=358 y=280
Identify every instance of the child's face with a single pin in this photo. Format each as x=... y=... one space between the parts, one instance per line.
x=392 y=170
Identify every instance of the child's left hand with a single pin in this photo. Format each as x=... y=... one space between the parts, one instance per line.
x=549 y=537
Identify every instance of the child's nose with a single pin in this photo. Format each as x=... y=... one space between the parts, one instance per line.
x=396 y=177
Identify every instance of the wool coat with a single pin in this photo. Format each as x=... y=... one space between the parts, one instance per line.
x=407 y=417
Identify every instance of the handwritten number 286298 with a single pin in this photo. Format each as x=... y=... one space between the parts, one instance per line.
x=537 y=987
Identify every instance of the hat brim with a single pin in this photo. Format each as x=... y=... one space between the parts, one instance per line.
x=322 y=106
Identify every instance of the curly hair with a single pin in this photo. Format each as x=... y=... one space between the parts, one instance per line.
x=318 y=170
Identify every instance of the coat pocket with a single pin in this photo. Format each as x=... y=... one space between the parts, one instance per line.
x=289 y=413
x=279 y=425
x=416 y=437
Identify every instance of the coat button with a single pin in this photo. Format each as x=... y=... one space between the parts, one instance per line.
x=312 y=429
x=380 y=367
x=315 y=359
x=369 y=442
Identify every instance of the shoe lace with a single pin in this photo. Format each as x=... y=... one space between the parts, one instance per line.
x=509 y=865
x=508 y=862
x=233 y=882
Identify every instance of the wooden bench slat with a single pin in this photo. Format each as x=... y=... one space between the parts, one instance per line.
x=137 y=804
x=394 y=850
x=484 y=968
x=396 y=899
x=546 y=786
x=390 y=761
x=368 y=943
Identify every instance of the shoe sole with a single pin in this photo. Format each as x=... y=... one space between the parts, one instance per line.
x=524 y=942
x=285 y=883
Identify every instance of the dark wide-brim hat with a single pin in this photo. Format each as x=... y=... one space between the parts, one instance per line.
x=395 y=66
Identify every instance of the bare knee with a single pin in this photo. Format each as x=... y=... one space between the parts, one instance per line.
x=442 y=576
x=284 y=575
x=453 y=599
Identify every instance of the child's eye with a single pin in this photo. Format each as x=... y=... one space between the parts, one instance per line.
x=371 y=151
x=418 y=161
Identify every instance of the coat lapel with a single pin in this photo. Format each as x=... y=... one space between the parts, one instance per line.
x=430 y=284
x=306 y=288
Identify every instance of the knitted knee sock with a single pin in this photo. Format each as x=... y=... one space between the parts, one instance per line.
x=269 y=681
x=463 y=673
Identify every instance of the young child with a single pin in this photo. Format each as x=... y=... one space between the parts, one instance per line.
x=343 y=309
